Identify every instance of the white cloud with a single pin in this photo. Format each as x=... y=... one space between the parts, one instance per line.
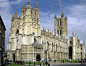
x=17 y=2
x=76 y=20
x=5 y=9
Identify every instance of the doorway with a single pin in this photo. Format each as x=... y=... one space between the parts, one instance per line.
x=70 y=52
x=13 y=57
x=38 y=58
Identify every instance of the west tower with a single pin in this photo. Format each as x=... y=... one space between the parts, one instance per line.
x=60 y=26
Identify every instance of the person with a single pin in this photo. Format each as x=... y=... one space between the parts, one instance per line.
x=55 y=60
x=65 y=60
x=61 y=60
x=70 y=60
x=81 y=62
x=84 y=61
x=23 y=62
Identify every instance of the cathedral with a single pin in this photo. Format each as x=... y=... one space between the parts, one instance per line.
x=28 y=41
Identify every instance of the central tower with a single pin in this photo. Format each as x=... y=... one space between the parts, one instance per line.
x=60 y=26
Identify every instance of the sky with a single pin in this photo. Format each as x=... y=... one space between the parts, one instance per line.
x=75 y=10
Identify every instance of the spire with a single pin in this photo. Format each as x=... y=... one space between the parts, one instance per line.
x=33 y=7
x=36 y=5
x=55 y=16
x=15 y=14
x=28 y=4
x=62 y=15
x=73 y=32
x=23 y=8
x=12 y=17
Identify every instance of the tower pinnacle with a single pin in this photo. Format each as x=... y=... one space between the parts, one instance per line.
x=23 y=8
x=36 y=5
x=62 y=15
x=73 y=32
x=28 y=4
x=15 y=14
x=55 y=16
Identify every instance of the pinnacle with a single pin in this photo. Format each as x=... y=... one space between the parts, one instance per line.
x=28 y=3
x=12 y=15
x=36 y=5
x=62 y=15
x=16 y=14
x=23 y=6
x=55 y=16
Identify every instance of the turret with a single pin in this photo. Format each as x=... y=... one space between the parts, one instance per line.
x=66 y=24
x=62 y=15
x=28 y=4
x=33 y=7
x=23 y=8
x=55 y=16
x=73 y=32
x=66 y=18
x=36 y=7
x=12 y=17
x=15 y=14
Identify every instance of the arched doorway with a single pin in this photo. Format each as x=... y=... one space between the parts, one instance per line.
x=70 y=52
x=13 y=57
x=38 y=58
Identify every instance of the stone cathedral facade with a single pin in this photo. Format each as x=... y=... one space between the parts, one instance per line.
x=27 y=39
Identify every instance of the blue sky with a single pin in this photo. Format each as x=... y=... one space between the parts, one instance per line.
x=75 y=10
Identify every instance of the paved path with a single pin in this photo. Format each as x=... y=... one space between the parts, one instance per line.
x=65 y=64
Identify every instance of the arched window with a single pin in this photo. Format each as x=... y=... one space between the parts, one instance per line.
x=31 y=12
x=34 y=40
x=17 y=31
x=60 y=22
x=60 y=32
x=52 y=46
x=70 y=42
x=56 y=47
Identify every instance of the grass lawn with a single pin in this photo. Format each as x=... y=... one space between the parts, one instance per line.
x=13 y=64
x=72 y=60
x=36 y=63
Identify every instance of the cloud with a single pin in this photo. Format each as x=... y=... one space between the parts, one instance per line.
x=76 y=20
x=47 y=20
x=17 y=2
x=5 y=9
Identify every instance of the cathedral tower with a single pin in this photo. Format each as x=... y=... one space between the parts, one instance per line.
x=60 y=26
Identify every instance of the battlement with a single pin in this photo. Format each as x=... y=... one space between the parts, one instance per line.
x=48 y=32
